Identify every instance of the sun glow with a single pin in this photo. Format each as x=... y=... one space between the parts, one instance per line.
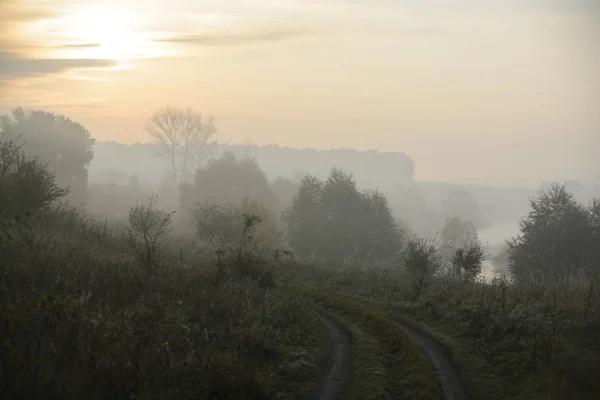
x=96 y=32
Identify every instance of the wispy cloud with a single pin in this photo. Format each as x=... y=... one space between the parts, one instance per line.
x=14 y=67
x=79 y=45
x=232 y=39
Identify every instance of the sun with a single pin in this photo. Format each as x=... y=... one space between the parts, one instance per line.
x=97 y=32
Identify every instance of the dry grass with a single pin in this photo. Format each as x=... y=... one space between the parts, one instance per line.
x=535 y=342
x=81 y=318
x=385 y=363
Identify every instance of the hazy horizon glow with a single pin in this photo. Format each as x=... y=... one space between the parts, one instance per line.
x=515 y=82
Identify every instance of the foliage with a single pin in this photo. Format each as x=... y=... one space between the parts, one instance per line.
x=216 y=225
x=462 y=204
x=421 y=260
x=333 y=220
x=26 y=185
x=536 y=341
x=148 y=226
x=266 y=234
x=222 y=226
x=408 y=203
x=284 y=191
x=229 y=180
x=304 y=220
x=457 y=233
x=467 y=261
x=461 y=248
x=65 y=145
x=556 y=239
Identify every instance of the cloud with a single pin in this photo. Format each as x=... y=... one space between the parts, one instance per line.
x=232 y=39
x=79 y=45
x=15 y=67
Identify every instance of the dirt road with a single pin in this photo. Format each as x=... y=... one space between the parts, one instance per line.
x=338 y=362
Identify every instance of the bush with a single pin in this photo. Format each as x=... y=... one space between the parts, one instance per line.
x=467 y=262
x=421 y=261
x=26 y=185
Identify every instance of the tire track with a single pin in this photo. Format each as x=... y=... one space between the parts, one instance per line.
x=447 y=374
x=337 y=366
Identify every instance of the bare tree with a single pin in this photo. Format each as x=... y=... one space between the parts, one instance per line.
x=179 y=136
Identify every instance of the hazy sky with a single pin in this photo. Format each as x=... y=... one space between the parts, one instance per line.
x=503 y=91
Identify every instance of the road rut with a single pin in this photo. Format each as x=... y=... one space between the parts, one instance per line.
x=337 y=366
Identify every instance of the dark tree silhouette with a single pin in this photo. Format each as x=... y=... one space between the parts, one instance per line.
x=555 y=239
x=65 y=145
x=333 y=220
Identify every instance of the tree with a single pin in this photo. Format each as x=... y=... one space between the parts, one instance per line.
x=179 y=135
x=380 y=234
x=284 y=190
x=333 y=220
x=266 y=234
x=456 y=234
x=218 y=226
x=228 y=180
x=222 y=226
x=304 y=220
x=594 y=220
x=341 y=209
x=26 y=185
x=462 y=204
x=555 y=237
x=148 y=226
x=408 y=203
x=468 y=261
x=64 y=145
x=421 y=260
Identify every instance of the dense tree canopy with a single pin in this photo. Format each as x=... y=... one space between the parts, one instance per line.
x=65 y=145
x=26 y=185
x=229 y=180
x=558 y=238
x=333 y=220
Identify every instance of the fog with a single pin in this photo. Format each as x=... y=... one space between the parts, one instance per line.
x=296 y=199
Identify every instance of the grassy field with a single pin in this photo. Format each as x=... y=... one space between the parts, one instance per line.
x=81 y=317
x=385 y=363
x=537 y=342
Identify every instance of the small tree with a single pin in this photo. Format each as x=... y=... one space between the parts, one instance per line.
x=467 y=262
x=148 y=226
x=26 y=185
x=219 y=226
x=421 y=261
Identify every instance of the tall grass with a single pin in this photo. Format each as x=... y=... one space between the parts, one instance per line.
x=82 y=317
x=541 y=340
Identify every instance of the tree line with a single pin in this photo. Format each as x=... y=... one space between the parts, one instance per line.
x=328 y=219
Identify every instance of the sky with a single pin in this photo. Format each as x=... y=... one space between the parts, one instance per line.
x=498 y=91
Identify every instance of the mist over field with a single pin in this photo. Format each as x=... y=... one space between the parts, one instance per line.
x=299 y=199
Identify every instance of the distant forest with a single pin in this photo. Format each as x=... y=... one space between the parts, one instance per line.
x=391 y=172
x=370 y=168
